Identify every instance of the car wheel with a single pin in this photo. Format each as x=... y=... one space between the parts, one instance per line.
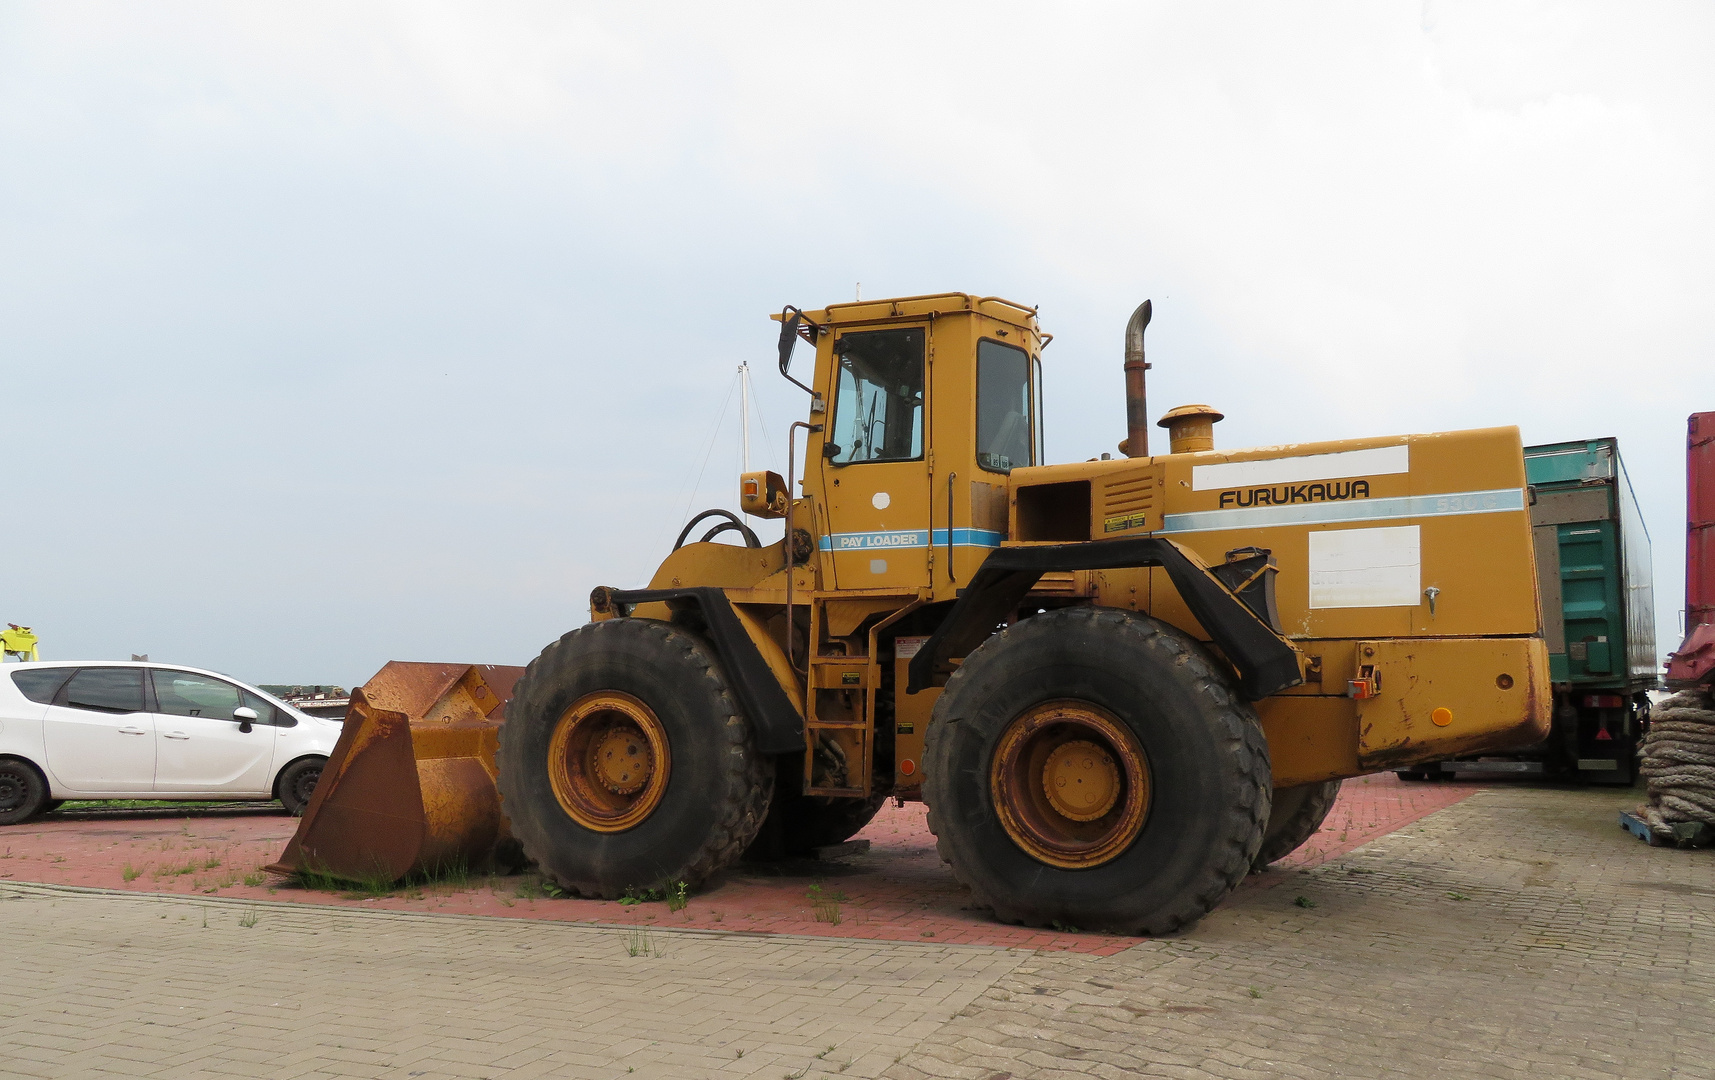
x=23 y=792
x=298 y=782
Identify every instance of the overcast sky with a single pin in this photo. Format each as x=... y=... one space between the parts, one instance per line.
x=339 y=333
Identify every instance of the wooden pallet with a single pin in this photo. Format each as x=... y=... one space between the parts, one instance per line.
x=1685 y=833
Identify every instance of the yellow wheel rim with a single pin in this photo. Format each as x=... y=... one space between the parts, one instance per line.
x=1070 y=784
x=608 y=761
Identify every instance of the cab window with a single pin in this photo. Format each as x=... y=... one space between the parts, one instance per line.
x=1005 y=432
x=878 y=404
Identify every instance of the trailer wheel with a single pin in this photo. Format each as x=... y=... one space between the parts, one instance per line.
x=1296 y=814
x=1094 y=768
x=798 y=823
x=625 y=763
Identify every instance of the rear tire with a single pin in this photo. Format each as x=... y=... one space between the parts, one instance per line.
x=653 y=694
x=1296 y=815
x=23 y=791
x=1145 y=850
x=1421 y=775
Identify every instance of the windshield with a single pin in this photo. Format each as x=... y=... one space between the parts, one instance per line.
x=878 y=406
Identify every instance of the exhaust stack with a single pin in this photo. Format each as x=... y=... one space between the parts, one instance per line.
x=1136 y=406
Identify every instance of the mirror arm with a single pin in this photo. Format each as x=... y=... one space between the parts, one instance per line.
x=790 y=319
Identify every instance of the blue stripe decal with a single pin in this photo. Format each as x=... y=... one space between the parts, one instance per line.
x=910 y=538
x=1334 y=513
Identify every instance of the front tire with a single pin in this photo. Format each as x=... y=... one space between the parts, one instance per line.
x=625 y=763
x=1095 y=768
x=23 y=791
x=298 y=783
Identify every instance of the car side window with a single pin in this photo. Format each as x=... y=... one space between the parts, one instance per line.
x=41 y=684
x=267 y=713
x=106 y=689
x=183 y=693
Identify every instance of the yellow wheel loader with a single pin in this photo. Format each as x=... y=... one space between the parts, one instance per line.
x=1118 y=684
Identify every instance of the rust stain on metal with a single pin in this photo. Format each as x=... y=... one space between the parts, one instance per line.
x=410 y=784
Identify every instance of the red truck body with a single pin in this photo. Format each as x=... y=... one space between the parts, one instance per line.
x=1695 y=661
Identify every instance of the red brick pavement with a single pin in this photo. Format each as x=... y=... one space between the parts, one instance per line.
x=898 y=891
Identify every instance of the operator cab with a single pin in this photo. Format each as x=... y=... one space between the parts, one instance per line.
x=921 y=406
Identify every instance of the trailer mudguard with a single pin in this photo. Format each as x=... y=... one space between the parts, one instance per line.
x=1266 y=662
x=778 y=727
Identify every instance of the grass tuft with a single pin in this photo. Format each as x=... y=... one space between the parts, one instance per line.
x=826 y=905
x=639 y=943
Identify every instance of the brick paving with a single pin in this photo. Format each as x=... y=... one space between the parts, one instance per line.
x=1515 y=933
x=1519 y=933
x=900 y=891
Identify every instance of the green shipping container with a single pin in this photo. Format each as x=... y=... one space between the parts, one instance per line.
x=1593 y=567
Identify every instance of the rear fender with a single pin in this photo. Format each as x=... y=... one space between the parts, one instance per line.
x=1235 y=613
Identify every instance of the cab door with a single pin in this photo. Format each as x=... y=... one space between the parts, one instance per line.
x=875 y=472
x=201 y=745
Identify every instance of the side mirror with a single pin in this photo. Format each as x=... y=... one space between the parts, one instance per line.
x=245 y=716
x=789 y=336
x=790 y=320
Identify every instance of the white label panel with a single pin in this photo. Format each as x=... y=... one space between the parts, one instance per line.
x=1365 y=568
x=1376 y=461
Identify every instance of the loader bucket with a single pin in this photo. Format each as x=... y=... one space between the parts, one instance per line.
x=410 y=785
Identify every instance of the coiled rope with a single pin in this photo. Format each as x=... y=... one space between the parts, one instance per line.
x=1678 y=761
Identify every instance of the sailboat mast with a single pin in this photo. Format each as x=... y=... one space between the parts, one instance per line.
x=744 y=409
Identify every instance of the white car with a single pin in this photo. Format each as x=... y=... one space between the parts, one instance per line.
x=127 y=730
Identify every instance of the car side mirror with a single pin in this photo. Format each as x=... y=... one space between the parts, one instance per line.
x=245 y=716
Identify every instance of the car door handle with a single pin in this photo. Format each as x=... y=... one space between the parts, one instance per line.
x=175 y=735
x=132 y=731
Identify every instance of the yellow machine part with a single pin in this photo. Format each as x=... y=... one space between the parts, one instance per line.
x=19 y=641
x=410 y=785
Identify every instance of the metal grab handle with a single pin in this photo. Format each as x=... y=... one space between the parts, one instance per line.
x=790 y=540
x=950 y=478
